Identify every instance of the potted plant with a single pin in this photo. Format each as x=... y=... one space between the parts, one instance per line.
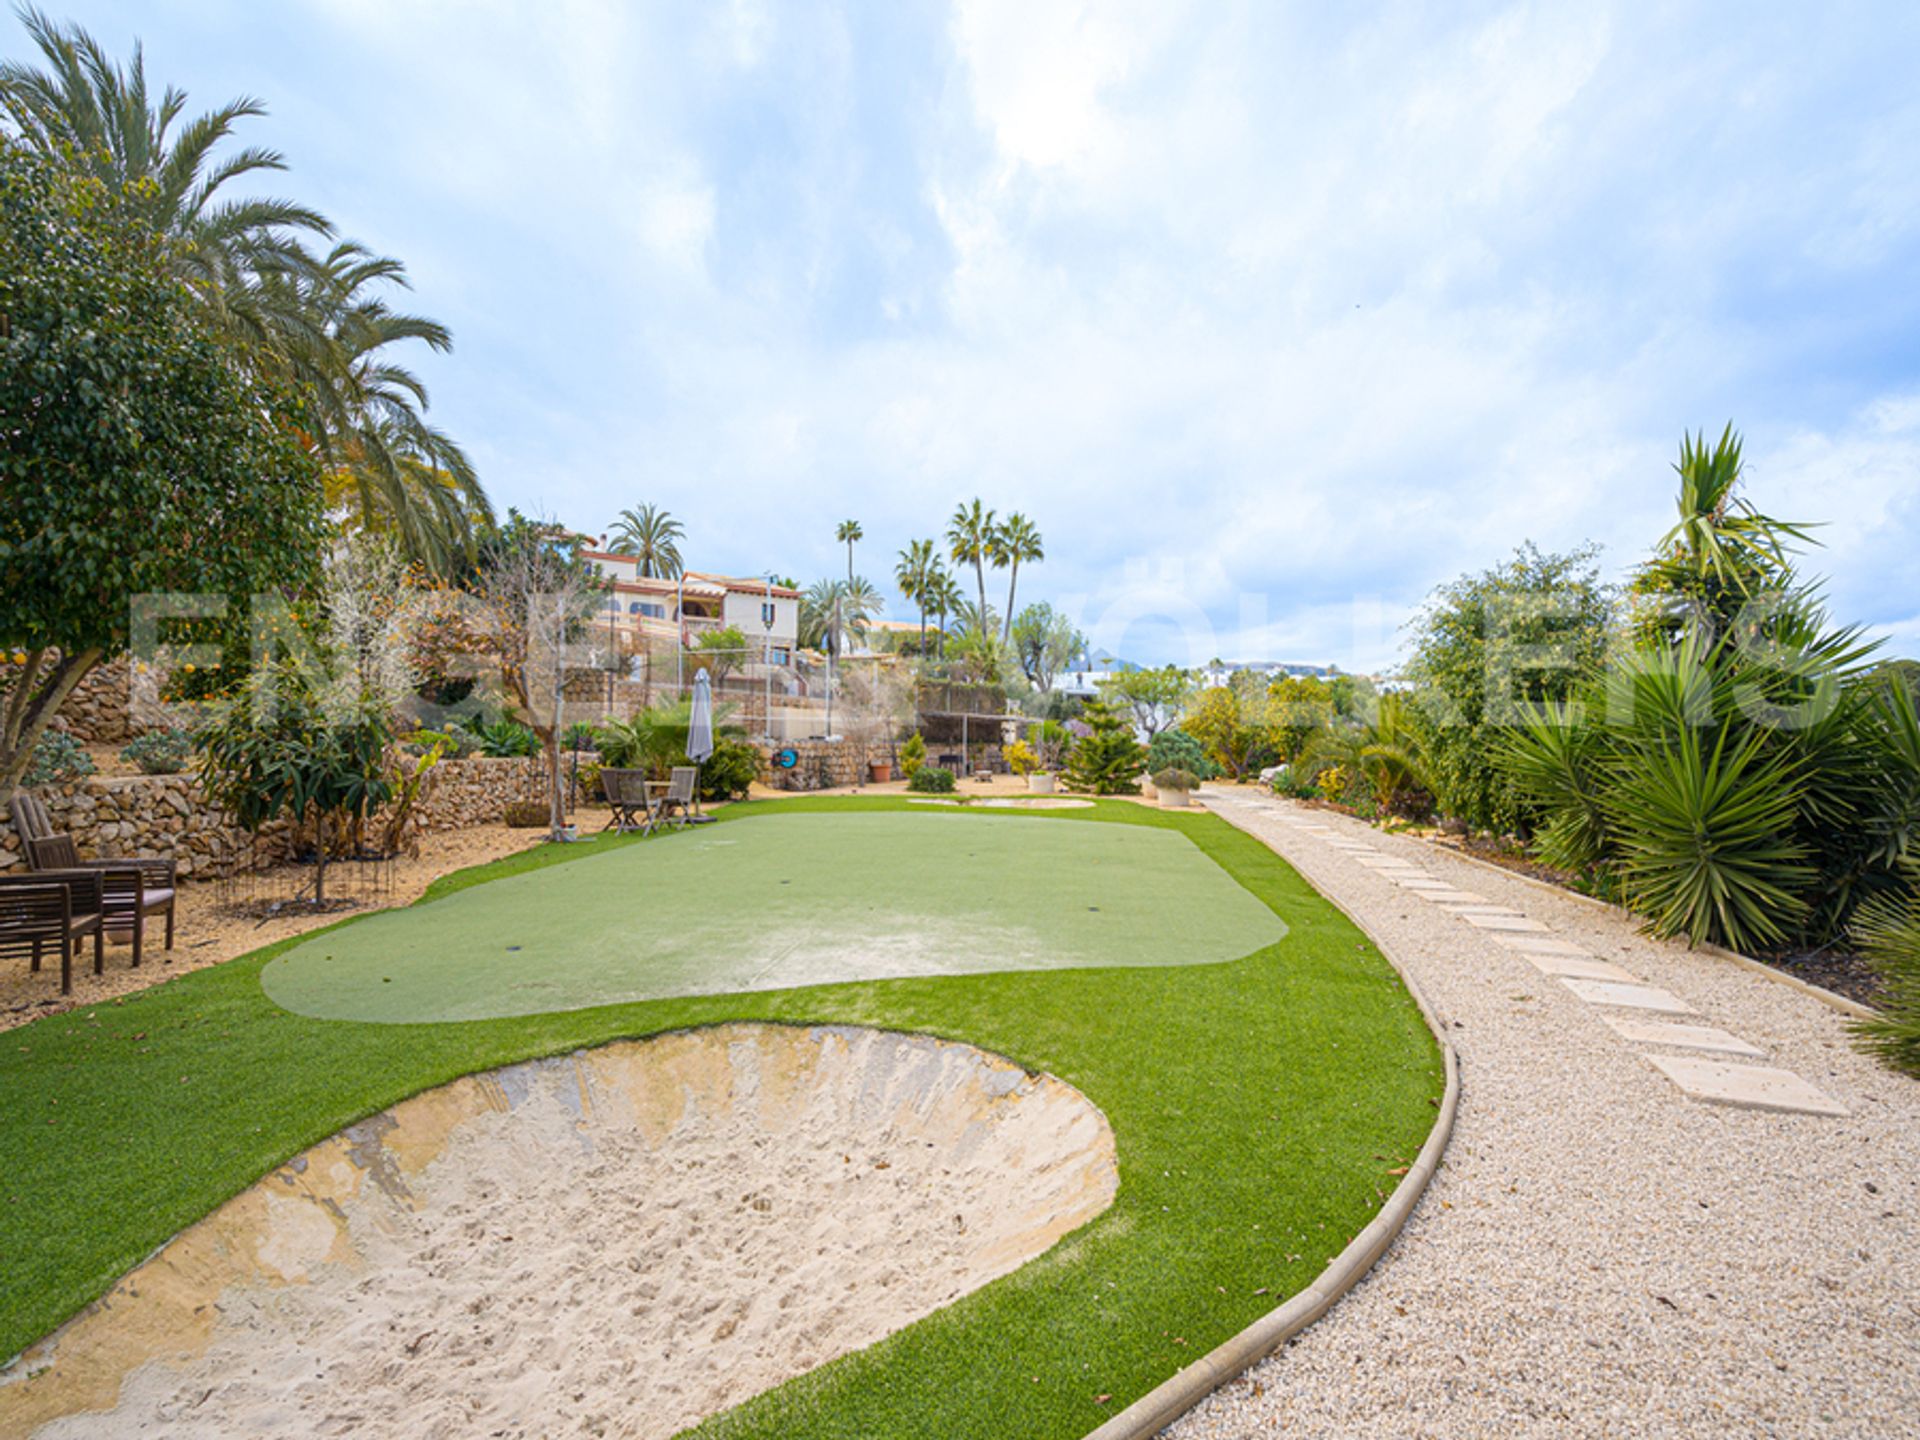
x=1175 y=787
x=879 y=772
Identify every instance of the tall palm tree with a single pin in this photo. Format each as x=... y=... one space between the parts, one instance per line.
x=914 y=575
x=1016 y=540
x=89 y=111
x=970 y=536
x=849 y=532
x=651 y=536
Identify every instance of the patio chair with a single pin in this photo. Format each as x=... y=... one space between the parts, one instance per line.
x=626 y=792
x=42 y=911
x=132 y=888
x=672 y=803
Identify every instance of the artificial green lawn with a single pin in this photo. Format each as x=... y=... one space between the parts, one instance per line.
x=1261 y=1107
x=775 y=902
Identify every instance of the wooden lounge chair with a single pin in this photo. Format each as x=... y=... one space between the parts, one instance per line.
x=671 y=803
x=132 y=889
x=626 y=792
x=42 y=911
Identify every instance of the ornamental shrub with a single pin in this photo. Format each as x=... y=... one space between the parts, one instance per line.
x=1177 y=750
x=913 y=755
x=57 y=758
x=729 y=771
x=159 y=752
x=931 y=780
x=1108 y=760
x=1174 y=778
x=1021 y=759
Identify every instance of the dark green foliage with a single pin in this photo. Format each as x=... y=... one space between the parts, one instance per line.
x=1738 y=773
x=57 y=758
x=655 y=739
x=503 y=738
x=138 y=454
x=1109 y=760
x=1521 y=633
x=159 y=752
x=931 y=780
x=728 y=773
x=1176 y=749
x=1888 y=929
x=1174 y=778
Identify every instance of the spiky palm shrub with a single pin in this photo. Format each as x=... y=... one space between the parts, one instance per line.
x=1888 y=930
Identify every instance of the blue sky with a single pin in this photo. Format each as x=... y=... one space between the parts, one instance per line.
x=1271 y=317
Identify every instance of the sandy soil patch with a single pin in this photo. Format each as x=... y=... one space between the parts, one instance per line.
x=619 y=1241
x=208 y=932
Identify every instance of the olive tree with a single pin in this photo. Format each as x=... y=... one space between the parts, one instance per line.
x=138 y=455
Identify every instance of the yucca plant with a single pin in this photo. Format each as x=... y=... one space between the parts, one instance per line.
x=1705 y=838
x=1888 y=930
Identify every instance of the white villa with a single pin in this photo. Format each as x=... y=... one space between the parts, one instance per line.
x=647 y=610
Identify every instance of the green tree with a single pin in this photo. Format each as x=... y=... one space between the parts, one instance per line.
x=847 y=532
x=85 y=110
x=1015 y=540
x=1108 y=760
x=652 y=537
x=722 y=651
x=1045 y=643
x=134 y=440
x=1153 y=697
x=1487 y=645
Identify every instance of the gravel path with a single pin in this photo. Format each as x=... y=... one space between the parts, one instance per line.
x=1600 y=1255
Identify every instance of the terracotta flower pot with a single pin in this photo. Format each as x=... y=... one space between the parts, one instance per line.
x=879 y=772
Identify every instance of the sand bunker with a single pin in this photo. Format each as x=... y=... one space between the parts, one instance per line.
x=619 y=1241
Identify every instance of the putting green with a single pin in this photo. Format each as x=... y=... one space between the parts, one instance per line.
x=776 y=901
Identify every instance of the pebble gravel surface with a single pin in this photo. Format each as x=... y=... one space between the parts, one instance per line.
x=1600 y=1255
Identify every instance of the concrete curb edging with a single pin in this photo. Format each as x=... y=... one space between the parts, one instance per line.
x=1706 y=947
x=1184 y=1389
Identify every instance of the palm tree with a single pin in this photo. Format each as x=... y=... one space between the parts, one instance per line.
x=833 y=611
x=970 y=534
x=943 y=598
x=389 y=471
x=849 y=532
x=86 y=110
x=1016 y=540
x=651 y=536
x=914 y=575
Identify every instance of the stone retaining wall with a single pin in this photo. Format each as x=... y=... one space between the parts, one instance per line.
x=166 y=815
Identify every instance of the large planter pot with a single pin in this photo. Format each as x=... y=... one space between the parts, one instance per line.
x=879 y=772
x=1040 y=783
x=1175 y=799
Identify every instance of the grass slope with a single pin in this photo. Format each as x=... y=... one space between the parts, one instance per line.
x=1260 y=1108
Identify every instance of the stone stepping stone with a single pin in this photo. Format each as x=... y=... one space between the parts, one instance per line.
x=1541 y=945
x=1682 y=1037
x=1746 y=1087
x=1465 y=897
x=1419 y=880
x=1482 y=921
x=1581 y=968
x=1630 y=997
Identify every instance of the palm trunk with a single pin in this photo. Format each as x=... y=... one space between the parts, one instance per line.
x=980 y=578
x=1013 y=581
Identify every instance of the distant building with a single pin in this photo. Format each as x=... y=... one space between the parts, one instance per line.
x=649 y=611
x=1222 y=672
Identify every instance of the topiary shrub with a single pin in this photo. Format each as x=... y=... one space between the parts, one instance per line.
x=1174 y=778
x=57 y=758
x=159 y=752
x=931 y=780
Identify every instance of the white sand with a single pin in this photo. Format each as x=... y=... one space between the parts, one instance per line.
x=617 y=1242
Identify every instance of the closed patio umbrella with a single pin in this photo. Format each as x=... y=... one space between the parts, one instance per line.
x=700 y=728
